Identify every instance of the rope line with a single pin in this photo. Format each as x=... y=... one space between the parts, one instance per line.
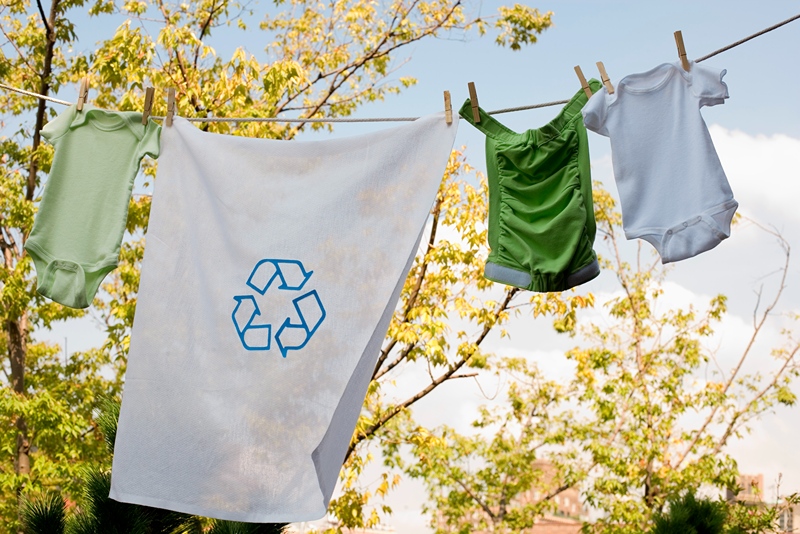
x=400 y=119
x=698 y=60
x=35 y=95
x=523 y=108
x=278 y=119
x=741 y=41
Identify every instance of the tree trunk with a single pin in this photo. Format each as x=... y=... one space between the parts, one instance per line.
x=17 y=328
x=18 y=348
x=44 y=88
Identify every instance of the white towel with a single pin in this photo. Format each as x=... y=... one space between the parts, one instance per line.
x=271 y=273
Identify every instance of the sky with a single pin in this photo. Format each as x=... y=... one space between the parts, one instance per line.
x=756 y=134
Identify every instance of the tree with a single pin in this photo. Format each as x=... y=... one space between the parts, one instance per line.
x=691 y=515
x=99 y=514
x=658 y=426
x=495 y=480
x=445 y=285
x=637 y=425
x=321 y=60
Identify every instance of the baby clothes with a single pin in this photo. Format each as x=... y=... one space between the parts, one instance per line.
x=673 y=190
x=541 y=216
x=271 y=273
x=77 y=233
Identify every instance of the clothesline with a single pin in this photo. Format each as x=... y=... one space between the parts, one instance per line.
x=399 y=119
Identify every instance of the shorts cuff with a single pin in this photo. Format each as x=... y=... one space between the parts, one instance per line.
x=541 y=282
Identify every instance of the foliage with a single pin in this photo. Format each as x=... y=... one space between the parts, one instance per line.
x=645 y=418
x=59 y=413
x=313 y=59
x=234 y=527
x=45 y=514
x=690 y=515
x=755 y=518
x=98 y=514
x=486 y=481
x=632 y=446
x=445 y=288
x=663 y=405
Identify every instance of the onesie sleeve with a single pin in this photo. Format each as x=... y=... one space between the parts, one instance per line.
x=57 y=127
x=594 y=113
x=151 y=142
x=708 y=86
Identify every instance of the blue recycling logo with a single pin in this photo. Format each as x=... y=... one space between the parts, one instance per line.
x=299 y=325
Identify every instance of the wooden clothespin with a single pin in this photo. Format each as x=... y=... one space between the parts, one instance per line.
x=584 y=83
x=473 y=98
x=148 y=104
x=170 y=105
x=448 y=108
x=83 y=94
x=682 y=50
x=604 y=77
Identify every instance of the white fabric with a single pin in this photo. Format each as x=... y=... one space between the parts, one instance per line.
x=673 y=190
x=213 y=423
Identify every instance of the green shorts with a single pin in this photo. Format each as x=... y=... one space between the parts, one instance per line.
x=541 y=216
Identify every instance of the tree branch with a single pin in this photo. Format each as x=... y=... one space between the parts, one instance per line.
x=751 y=342
x=474 y=497
x=342 y=74
x=732 y=425
x=510 y=293
x=203 y=29
x=412 y=299
x=467 y=375
x=44 y=89
x=321 y=76
x=8 y=257
x=394 y=363
x=179 y=60
x=7 y=241
x=48 y=28
x=21 y=55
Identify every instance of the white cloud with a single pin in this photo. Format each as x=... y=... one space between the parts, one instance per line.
x=764 y=173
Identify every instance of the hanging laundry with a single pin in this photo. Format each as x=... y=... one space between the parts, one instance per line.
x=672 y=187
x=78 y=230
x=271 y=272
x=541 y=214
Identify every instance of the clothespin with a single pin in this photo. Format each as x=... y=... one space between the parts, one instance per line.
x=584 y=83
x=448 y=108
x=604 y=77
x=681 y=50
x=170 y=105
x=148 y=104
x=473 y=98
x=83 y=93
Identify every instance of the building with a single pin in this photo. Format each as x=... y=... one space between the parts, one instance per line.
x=752 y=489
x=569 y=513
x=788 y=519
x=753 y=494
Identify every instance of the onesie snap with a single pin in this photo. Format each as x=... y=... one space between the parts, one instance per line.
x=541 y=214
x=64 y=278
x=673 y=191
x=696 y=235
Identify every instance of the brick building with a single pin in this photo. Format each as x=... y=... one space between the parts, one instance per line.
x=753 y=494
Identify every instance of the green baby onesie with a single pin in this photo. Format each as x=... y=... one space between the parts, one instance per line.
x=77 y=233
x=541 y=214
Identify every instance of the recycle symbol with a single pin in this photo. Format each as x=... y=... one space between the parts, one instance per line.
x=295 y=332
